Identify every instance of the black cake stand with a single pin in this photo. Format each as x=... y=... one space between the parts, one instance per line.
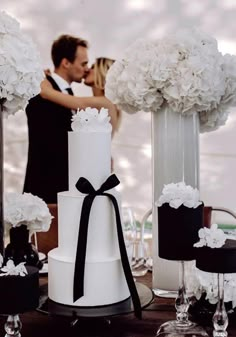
x=50 y=307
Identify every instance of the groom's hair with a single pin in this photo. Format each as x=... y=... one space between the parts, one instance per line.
x=65 y=46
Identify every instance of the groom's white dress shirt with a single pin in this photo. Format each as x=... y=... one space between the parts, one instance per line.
x=62 y=84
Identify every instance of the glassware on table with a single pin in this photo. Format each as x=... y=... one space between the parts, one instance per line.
x=220 y=318
x=13 y=326
x=129 y=230
x=138 y=266
x=135 y=247
x=146 y=237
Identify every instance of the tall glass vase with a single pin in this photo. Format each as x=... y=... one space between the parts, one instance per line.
x=175 y=158
x=1 y=179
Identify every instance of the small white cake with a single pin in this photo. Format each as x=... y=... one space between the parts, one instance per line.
x=104 y=279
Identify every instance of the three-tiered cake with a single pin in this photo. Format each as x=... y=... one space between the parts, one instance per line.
x=104 y=279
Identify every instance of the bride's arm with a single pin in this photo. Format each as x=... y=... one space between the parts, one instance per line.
x=75 y=102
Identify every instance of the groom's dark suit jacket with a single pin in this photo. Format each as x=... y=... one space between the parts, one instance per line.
x=47 y=167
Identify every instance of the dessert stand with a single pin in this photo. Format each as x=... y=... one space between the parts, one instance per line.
x=219 y=261
x=15 y=301
x=183 y=224
x=50 y=307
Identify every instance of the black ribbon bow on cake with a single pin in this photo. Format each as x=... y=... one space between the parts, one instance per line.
x=84 y=186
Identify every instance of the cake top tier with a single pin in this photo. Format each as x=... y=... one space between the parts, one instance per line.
x=91 y=120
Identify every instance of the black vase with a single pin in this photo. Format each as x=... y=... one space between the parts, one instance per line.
x=20 y=249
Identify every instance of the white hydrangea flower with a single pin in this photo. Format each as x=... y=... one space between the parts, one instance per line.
x=1 y=260
x=11 y=269
x=91 y=120
x=212 y=237
x=185 y=70
x=21 y=71
x=179 y=194
x=26 y=209
x=204 y=282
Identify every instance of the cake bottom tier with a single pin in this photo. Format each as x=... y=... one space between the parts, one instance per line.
x=104 y=281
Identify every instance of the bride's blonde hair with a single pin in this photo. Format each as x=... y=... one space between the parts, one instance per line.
x=101 y=67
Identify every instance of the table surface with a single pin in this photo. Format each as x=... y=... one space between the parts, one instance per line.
x=36 y=324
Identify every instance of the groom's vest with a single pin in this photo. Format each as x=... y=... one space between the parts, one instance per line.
x=47 y=167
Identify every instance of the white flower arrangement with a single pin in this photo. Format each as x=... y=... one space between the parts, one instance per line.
x=212 y=237
x=179 y=194
x=20 y=70
x=185 y=71
x=201 y=282
x=11 y=269
x=208 y=285
x=26 y=209
x=91 y=119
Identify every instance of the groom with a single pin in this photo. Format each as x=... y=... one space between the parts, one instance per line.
x=49 y=123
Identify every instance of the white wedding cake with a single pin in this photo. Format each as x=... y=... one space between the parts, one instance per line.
x=104 y=279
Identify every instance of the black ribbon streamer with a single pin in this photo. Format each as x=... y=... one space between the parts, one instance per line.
x=84 y=186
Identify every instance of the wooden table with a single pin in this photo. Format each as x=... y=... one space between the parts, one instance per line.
x=36 y=324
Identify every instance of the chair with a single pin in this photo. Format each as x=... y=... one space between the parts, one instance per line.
x=45 y=241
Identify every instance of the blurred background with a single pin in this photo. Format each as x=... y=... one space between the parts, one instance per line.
x=110 y=26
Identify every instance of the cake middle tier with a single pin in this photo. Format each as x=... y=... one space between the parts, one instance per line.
x=102 y=240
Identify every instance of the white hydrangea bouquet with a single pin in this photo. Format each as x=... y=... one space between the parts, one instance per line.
x=26 y=209
x=20 y=69
x=185 y=71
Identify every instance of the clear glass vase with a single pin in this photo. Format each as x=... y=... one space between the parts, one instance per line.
x=175 y=158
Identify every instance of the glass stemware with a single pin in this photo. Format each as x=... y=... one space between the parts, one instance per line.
x=135 y=245
x=220 y=318
x=129 y=230
x=13 y=326
x=182 y=325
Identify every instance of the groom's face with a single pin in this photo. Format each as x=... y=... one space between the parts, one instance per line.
x=79 y=68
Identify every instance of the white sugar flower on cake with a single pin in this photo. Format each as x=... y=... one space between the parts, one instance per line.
x=212 y=237
x=11 y=269
x=179 y=194
x=26 y=209
x=91 y=119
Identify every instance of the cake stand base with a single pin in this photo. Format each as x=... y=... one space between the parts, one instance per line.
x=50 y=307
x=171 y=328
